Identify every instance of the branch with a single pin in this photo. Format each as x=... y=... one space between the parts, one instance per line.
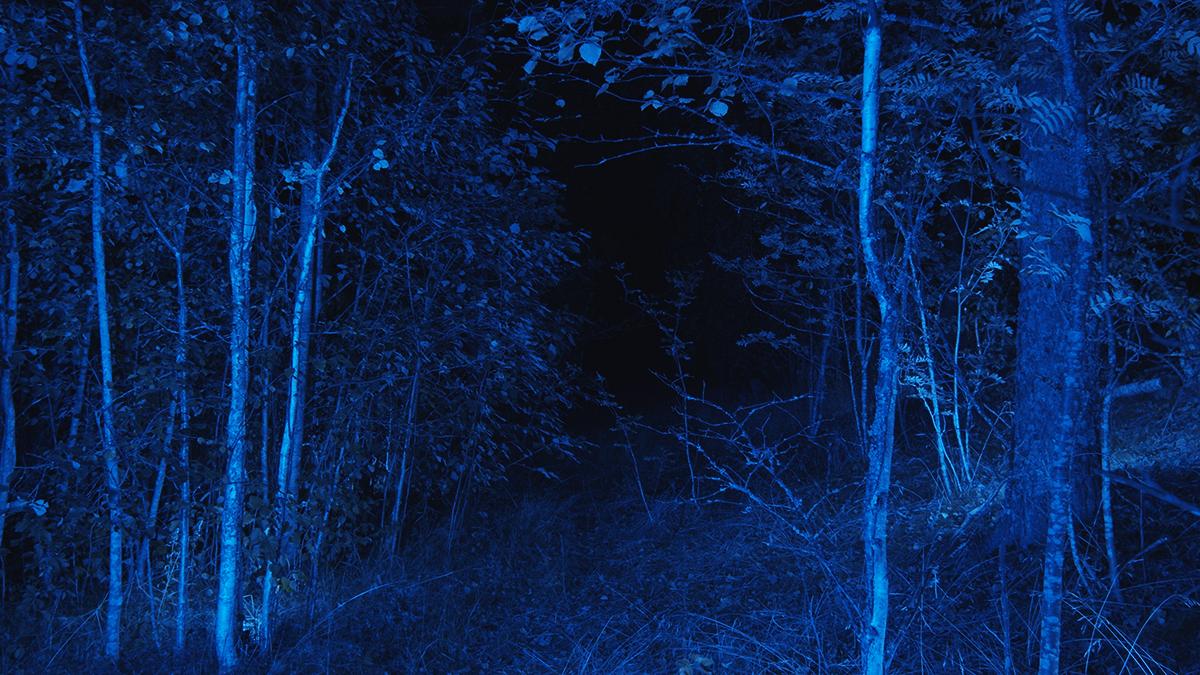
x=1148 y=486
x=1136 y=388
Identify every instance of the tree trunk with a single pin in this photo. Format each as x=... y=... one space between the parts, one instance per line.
x=293 y=421
x=82 y=350
x=185 y=486
x=1067 y=209
x=396 y=520
x=241 y=235
x=179 y=412
x=880 y=434
x=1110 y=339
x=112 y=478
x=8 y=329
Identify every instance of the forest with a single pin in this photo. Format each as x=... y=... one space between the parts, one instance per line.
x=600 y=336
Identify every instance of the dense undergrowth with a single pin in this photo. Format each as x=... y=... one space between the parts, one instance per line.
x=570 y=581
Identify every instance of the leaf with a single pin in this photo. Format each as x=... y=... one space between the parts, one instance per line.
x=530 y=65
x=1191 y=42
x=718 y=108
x=528 y=24
x=590 y=52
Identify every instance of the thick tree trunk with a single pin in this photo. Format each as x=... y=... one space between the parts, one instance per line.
x=1063 y=182
x=241 y=235
x=112 y=478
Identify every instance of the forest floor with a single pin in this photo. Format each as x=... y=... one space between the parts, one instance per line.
x=587 y=583
x=597 y=581
x=594 y=584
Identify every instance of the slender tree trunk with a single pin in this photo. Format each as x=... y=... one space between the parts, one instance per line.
x=933 y=405
x=185 y=484
x=142 y=565
x=1072 y=214
x=8 y=329
x=879 y=466
x=82 y=350
x=264 y=419
x=112 y=478
x=160 y=479
x=293 y=421
x=241 y=235
x=1110 y=350
x=396 y=521
x=179 y=412
x=880 y=435
x=328 y=508
x=818 y=388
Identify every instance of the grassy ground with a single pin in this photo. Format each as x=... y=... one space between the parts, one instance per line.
x=570 y=582
x=571 y=585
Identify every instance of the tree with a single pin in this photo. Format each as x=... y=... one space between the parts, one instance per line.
x=8 y=328
x=242 y=222
x=112 y=475
x=880 y=443
x=1063 y=174
x=313 y=199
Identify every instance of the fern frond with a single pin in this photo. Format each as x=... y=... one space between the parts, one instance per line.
x=1143 y=86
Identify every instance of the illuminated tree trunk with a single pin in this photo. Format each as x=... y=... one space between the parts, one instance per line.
x=241 y=235
x=880 y=433
x=185 y=485
x=293 y=423
x=112 y=478
x=8 y=329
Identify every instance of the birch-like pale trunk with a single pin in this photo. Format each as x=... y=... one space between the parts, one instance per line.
x=1110 y=353
x=241 y=235
x=8 y=327
x=950 y=475
x=112 y=478
x=185 y=481
x=880 y=434
x=293 y=421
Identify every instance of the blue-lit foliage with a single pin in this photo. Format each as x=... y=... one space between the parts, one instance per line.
x=313 y=351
